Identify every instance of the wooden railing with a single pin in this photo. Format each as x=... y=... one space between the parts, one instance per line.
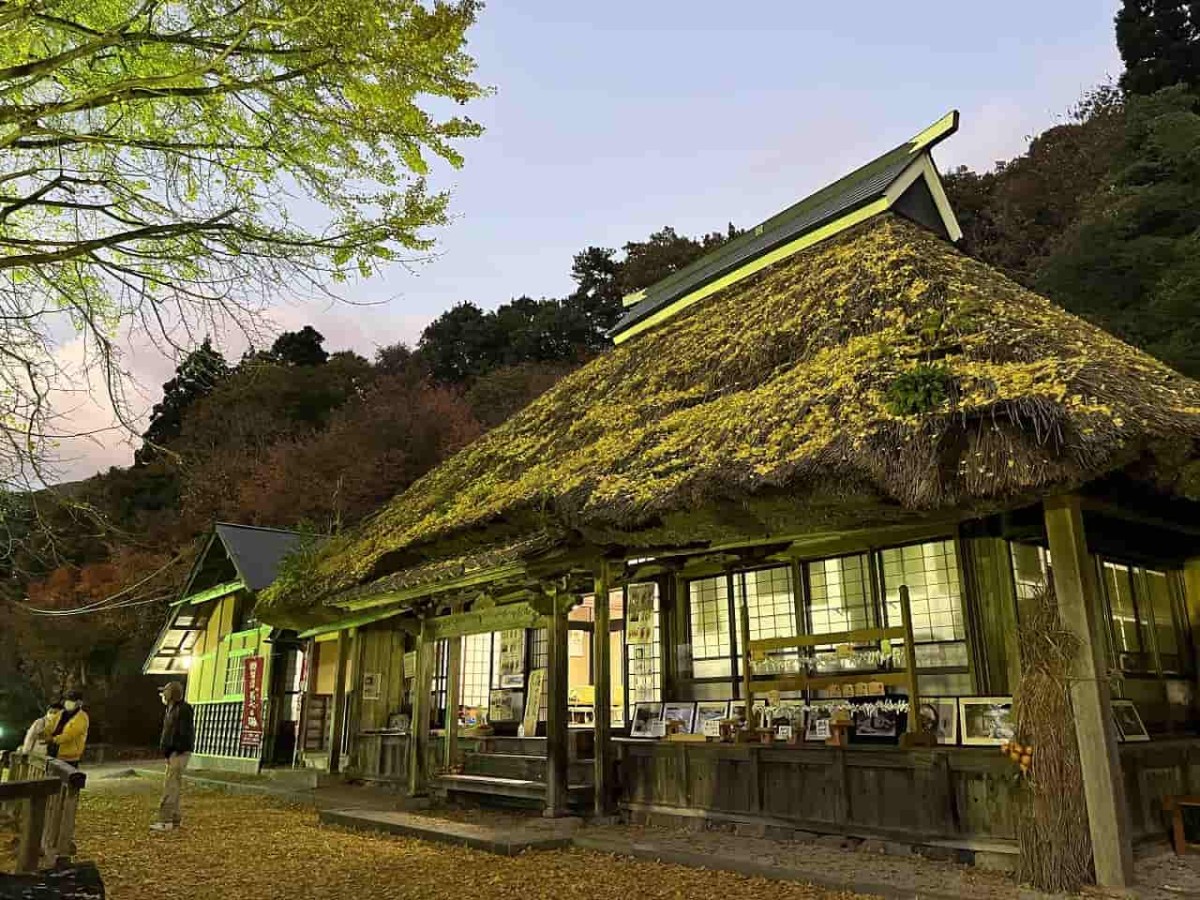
x=905 y=676
x=47 y=793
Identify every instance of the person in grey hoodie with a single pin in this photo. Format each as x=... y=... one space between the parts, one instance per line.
x=178 y=738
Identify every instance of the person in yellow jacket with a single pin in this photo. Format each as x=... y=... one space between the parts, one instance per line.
x=67 y=733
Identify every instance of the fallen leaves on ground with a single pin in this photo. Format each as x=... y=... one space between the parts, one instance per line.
x=237 y=847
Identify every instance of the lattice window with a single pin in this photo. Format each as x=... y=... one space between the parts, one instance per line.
x=1031 y=568
x=1126 y=634
x=1159 y=600
x=708 y=603
x=539 y=649
x=477 y=669
x=770 y=602
x=219 y=731
x=643 y=661
x=234 y=675
x=839 y=593
x=935 y=593
x=1145 y=619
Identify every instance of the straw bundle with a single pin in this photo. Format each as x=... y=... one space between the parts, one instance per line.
x=1052 y=824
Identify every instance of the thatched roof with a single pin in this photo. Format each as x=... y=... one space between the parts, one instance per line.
x=877 y=375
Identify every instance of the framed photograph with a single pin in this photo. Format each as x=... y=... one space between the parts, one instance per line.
x=880 y=725
x=683 y=713
x=372 y=683
x=1128 y=722
x=707 y=710
x=817 y=726
x=505 y=705
x=986 y=720
x=939 y=717
x=737 y=710
x=647 y=720
x=512 y=658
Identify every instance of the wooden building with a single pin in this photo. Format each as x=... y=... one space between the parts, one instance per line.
x=834 y=419
x=243 y=677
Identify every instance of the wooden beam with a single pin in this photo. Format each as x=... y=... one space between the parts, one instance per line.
x=556 y=714
x=1078 y=606
x=602 y=687
x=418 y=741
x=498 y=618
x=454 y=651
x=339 y=702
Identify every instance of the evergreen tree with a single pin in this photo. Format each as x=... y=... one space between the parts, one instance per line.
x=1159 y=41
x=201 y=371
x=1132 y=261
x=300 y=348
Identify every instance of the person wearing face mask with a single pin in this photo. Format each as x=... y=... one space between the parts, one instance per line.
x=69 y=730
x=178 y=738
x=39 y=731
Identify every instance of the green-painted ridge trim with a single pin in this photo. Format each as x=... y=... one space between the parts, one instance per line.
x=756 y=265
x=213 y=593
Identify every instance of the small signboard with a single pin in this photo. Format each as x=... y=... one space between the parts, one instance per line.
x=371 y=683
x=252 y=705
x=712 y=728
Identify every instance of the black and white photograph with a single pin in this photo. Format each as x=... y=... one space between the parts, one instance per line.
x=816 y=728
x=646 y=720
x=939 y=716
x=1128 y=721
x=986 y=720
x=876 y=724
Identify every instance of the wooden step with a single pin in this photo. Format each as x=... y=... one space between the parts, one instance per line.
x=527 y=767
x=497 y=786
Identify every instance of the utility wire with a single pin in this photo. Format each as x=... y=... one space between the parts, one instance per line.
x=107 y=603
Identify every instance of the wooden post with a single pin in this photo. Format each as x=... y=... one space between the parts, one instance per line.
x=1191 y=591
x=454 y=651
x=556 y=713
x=747 y=673
x=602 y=698
x=1076 y=591
x=418 y=734
x=910 y=657
x=310 y=679
x=29 y=853
x=339 y=702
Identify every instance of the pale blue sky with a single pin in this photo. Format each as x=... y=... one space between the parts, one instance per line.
x=611 y=120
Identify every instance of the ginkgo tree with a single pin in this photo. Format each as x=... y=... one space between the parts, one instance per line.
x=170 y=166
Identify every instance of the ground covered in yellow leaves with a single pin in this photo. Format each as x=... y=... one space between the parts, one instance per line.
x=236 y=847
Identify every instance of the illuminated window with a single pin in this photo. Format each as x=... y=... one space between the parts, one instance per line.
x=839 y=593
x=477 y=670
x=1031 y=568
x=770 y=602
x=934 y=592
x=1145 y=619
x=643 y=648
x=234 y=678
x=708 y=604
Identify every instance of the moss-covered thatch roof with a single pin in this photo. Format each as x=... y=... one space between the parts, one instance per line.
x=879 y=374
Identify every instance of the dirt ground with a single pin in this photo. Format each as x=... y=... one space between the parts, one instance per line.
x=240 y=847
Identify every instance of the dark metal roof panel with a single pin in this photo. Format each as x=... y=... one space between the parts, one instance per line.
x=862 y=186
x=256 y=552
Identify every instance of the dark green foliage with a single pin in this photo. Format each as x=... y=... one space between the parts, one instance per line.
x=1131 y=262
x=922 y=390
x=199 y=373
x=466 y=343
x=1159 y=41
x=300 y=348
x=1012 y=215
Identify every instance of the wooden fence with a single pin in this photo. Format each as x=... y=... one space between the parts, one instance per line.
x=44 y=793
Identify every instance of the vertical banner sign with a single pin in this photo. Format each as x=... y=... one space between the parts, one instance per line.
x=639 y=624
x=534 y=702
x=252 y=706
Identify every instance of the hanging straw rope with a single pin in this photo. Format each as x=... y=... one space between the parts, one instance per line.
x=1052 y=825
